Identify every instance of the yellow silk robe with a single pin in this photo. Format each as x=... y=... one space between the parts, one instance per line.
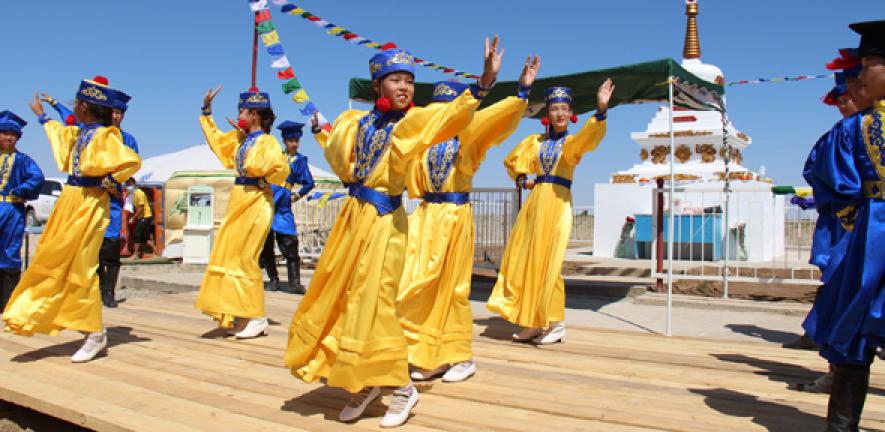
x=233 y=285
x=346 y=329
x=433 y=300
x=530 y=291
x=60 y=288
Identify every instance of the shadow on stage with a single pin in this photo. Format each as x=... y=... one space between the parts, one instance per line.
x=765 y=334
x=116 y=336
x=768 y=414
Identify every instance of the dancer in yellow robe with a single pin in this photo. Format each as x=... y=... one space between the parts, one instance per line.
x=530 y=291
x=233 y=286
x=346 y=329
x=433 y=300
x=60 y=288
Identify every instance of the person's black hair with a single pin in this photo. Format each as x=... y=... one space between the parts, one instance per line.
x=105 y=115
x=267 y=118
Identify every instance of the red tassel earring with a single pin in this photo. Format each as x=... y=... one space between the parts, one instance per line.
x=383 y=104
x=70 y=120
x=574 y=118
x=411 y=105
x=545 y=121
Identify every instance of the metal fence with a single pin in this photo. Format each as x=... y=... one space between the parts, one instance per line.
x=761 y=239
x=494 y=211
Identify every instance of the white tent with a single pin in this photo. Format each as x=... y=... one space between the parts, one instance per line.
x=159 y=169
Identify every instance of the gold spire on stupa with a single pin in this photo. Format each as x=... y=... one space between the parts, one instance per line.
x=692 y=48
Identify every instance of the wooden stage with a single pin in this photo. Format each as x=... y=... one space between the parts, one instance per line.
x=166 y=373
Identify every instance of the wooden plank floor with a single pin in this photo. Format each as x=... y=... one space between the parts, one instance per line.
x=169 y=371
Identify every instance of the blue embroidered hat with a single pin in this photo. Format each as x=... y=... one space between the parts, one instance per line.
x=848 y=62
x=447 y=91
x=389 y=61
x=838 y=90
x=9 y=122
x=289 y=129
x=254 y=100
x=558 y=94
x=121 y=101
x=97 y=91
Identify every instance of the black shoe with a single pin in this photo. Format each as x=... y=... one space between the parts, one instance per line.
x=293 y=270
x=847 y=396
x=273 y=285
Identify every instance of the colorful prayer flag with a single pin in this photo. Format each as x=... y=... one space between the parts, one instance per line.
x=291 y=85
x=300 y=96
x=287 y=73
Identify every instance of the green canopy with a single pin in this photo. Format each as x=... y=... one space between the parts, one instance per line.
x=636 y=83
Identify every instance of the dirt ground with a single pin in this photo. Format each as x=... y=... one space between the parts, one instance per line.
x=14 y=418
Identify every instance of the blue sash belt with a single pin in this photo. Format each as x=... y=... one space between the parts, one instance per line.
x=84 y=181
x=249 y=181
x=383 y=203
x=459 y=198
x=562 y=181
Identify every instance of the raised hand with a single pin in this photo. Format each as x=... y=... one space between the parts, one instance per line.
x=210 y=95
x=46 y=98
x=529 y=71
x=314 y=122
x=233 y=123
x=36 y=105
x=604 y=95
x=492 y=63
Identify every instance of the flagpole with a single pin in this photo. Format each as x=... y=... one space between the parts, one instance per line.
x=254 y=50
x=671 y=220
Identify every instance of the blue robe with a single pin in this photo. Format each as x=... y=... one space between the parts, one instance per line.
x=299 y=173
x=116 y=204
x=847 y=319
x=115 y=224
x=21 y=178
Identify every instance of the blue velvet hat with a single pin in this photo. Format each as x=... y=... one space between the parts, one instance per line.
x=9 y=122
x=447 y=91
x=121 y=101
x=558 y=94
x=389 y=61
x=96 y=91
x=254 y=100
x=838 y=90
x=289 y=129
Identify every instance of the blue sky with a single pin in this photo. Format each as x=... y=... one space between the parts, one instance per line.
x=166 y=54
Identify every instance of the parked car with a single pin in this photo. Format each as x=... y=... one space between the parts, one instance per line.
x=38 y=210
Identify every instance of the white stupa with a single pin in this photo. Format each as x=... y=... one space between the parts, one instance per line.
x=755 y=215
x=700 y=153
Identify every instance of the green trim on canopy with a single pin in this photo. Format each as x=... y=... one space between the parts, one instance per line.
x=636 y=83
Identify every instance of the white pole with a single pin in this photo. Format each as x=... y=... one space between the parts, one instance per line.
x=727 y=147
x=671 y=221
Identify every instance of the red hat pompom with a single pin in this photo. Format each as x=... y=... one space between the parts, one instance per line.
x=574 y=118
x=388 y=45
x=101 y=80
x=254 y=90
x=70 y=120
x=383 y=104
x=545 y=121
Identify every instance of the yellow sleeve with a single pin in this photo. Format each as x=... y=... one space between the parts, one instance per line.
x=415 y=174
x=586 y=140
x=425 y=126
x=266 y=159
x=106 y=155
x=339 y=145
x=522 y=159
x=61 y=139
x=223 y=144
x=322 y=138
x=491 y=126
